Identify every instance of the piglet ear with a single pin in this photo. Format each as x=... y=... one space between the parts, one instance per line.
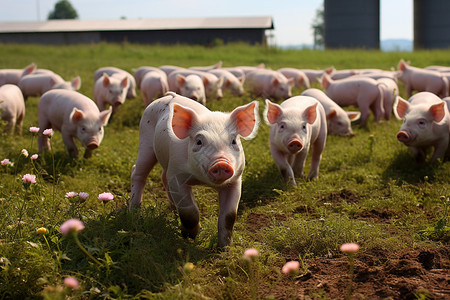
x=438 y=111
x=183 y=119
x=246 y=118
x=76 y=83
x=125 y=83
x=272 y=112
x=325 y=81
x=181 y=80
x=76 y=115
x=354 y=115
x=29 y=69
x=401 y=106
x=311 y=113
x=275 y=81
x=105 y=80
x=105 y=115
x=331 y=114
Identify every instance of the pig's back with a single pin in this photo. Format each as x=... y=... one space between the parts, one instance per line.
x=58 y=104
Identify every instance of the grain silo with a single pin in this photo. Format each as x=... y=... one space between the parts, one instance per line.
x=352 y=24
x=431 y=24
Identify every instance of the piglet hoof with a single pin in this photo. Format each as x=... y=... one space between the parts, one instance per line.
x=190 y=232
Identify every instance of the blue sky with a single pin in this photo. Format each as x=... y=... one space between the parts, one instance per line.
x=292 y=18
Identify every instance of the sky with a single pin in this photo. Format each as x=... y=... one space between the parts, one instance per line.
x=292 y=18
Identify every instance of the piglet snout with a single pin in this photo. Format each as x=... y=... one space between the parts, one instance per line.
x=295 y=145
x=92 y=145
x=403 y=136
x=220 y=171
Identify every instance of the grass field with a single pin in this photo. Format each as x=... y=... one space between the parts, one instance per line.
x=370 y=191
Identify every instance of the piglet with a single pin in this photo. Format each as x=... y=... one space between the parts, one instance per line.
x=422 y=80
x=365 y=93
x=194 y=146
x=190 y=86
x=12 y=108
x=426 y=122
x=153 y=85
x=111 y=91
x=212 y=84
x=140 y=72
x=299 y=77
x=296 y=125
x=12 y=76
x=37 y=83
x=269 y=84
x=230 y=81
x=74 y=115
x=338 y=120
x=119 y=73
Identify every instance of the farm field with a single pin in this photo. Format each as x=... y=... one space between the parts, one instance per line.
x=370 y=191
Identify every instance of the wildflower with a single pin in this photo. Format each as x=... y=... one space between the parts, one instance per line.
x=34 y=156
x=34 y=129
x=251 y=253
x=83 y=195
x=71 y=282
x=48 y=132
x=105 y=197
x=6 y=162
x=71 y=194
x=28 y=178
x=349 y=247
x=25 y=152
x=71 y=225
x=41 y=230
x=291 y=267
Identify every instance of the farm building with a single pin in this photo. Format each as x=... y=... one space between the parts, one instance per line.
x=203 y=31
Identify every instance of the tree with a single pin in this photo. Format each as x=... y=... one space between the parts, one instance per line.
x=318 y=29
x=63 y=10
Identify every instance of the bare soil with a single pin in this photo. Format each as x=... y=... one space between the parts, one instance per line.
x=378 y=273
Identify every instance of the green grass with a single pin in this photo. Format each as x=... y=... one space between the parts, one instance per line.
x=143 y=255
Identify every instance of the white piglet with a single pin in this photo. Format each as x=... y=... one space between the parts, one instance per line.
x=74 y=115
x=296 y=124
x=426 y=122
x=12 y=107
x=111 y=91
x=338 y=120
x=194 y=146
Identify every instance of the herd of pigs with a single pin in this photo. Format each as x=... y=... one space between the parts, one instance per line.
x=197 y=146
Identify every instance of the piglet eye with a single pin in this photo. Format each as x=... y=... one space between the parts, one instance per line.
x=199 y=142
x=233 y=142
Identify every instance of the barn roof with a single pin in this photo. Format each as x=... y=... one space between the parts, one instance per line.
x=263 y=22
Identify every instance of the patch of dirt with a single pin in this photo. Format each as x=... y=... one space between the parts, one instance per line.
x=257 y=221
x=378 y=274
x=343 y=195
x=377 y=215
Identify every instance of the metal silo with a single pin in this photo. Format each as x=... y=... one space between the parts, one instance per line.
x=431 y=24
x=352 y=24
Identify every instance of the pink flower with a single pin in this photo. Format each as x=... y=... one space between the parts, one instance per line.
x=34 y=129
x=28 y=178
x=71 y=194
x=349 y=247
x=83 y=195
x=251 y=253
x=105 y=197
x=34 y=156
x=291 y=267
x=25 y=152
x=71 y=282
x=71 y=225
x=48 y=132
x=6 y=162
